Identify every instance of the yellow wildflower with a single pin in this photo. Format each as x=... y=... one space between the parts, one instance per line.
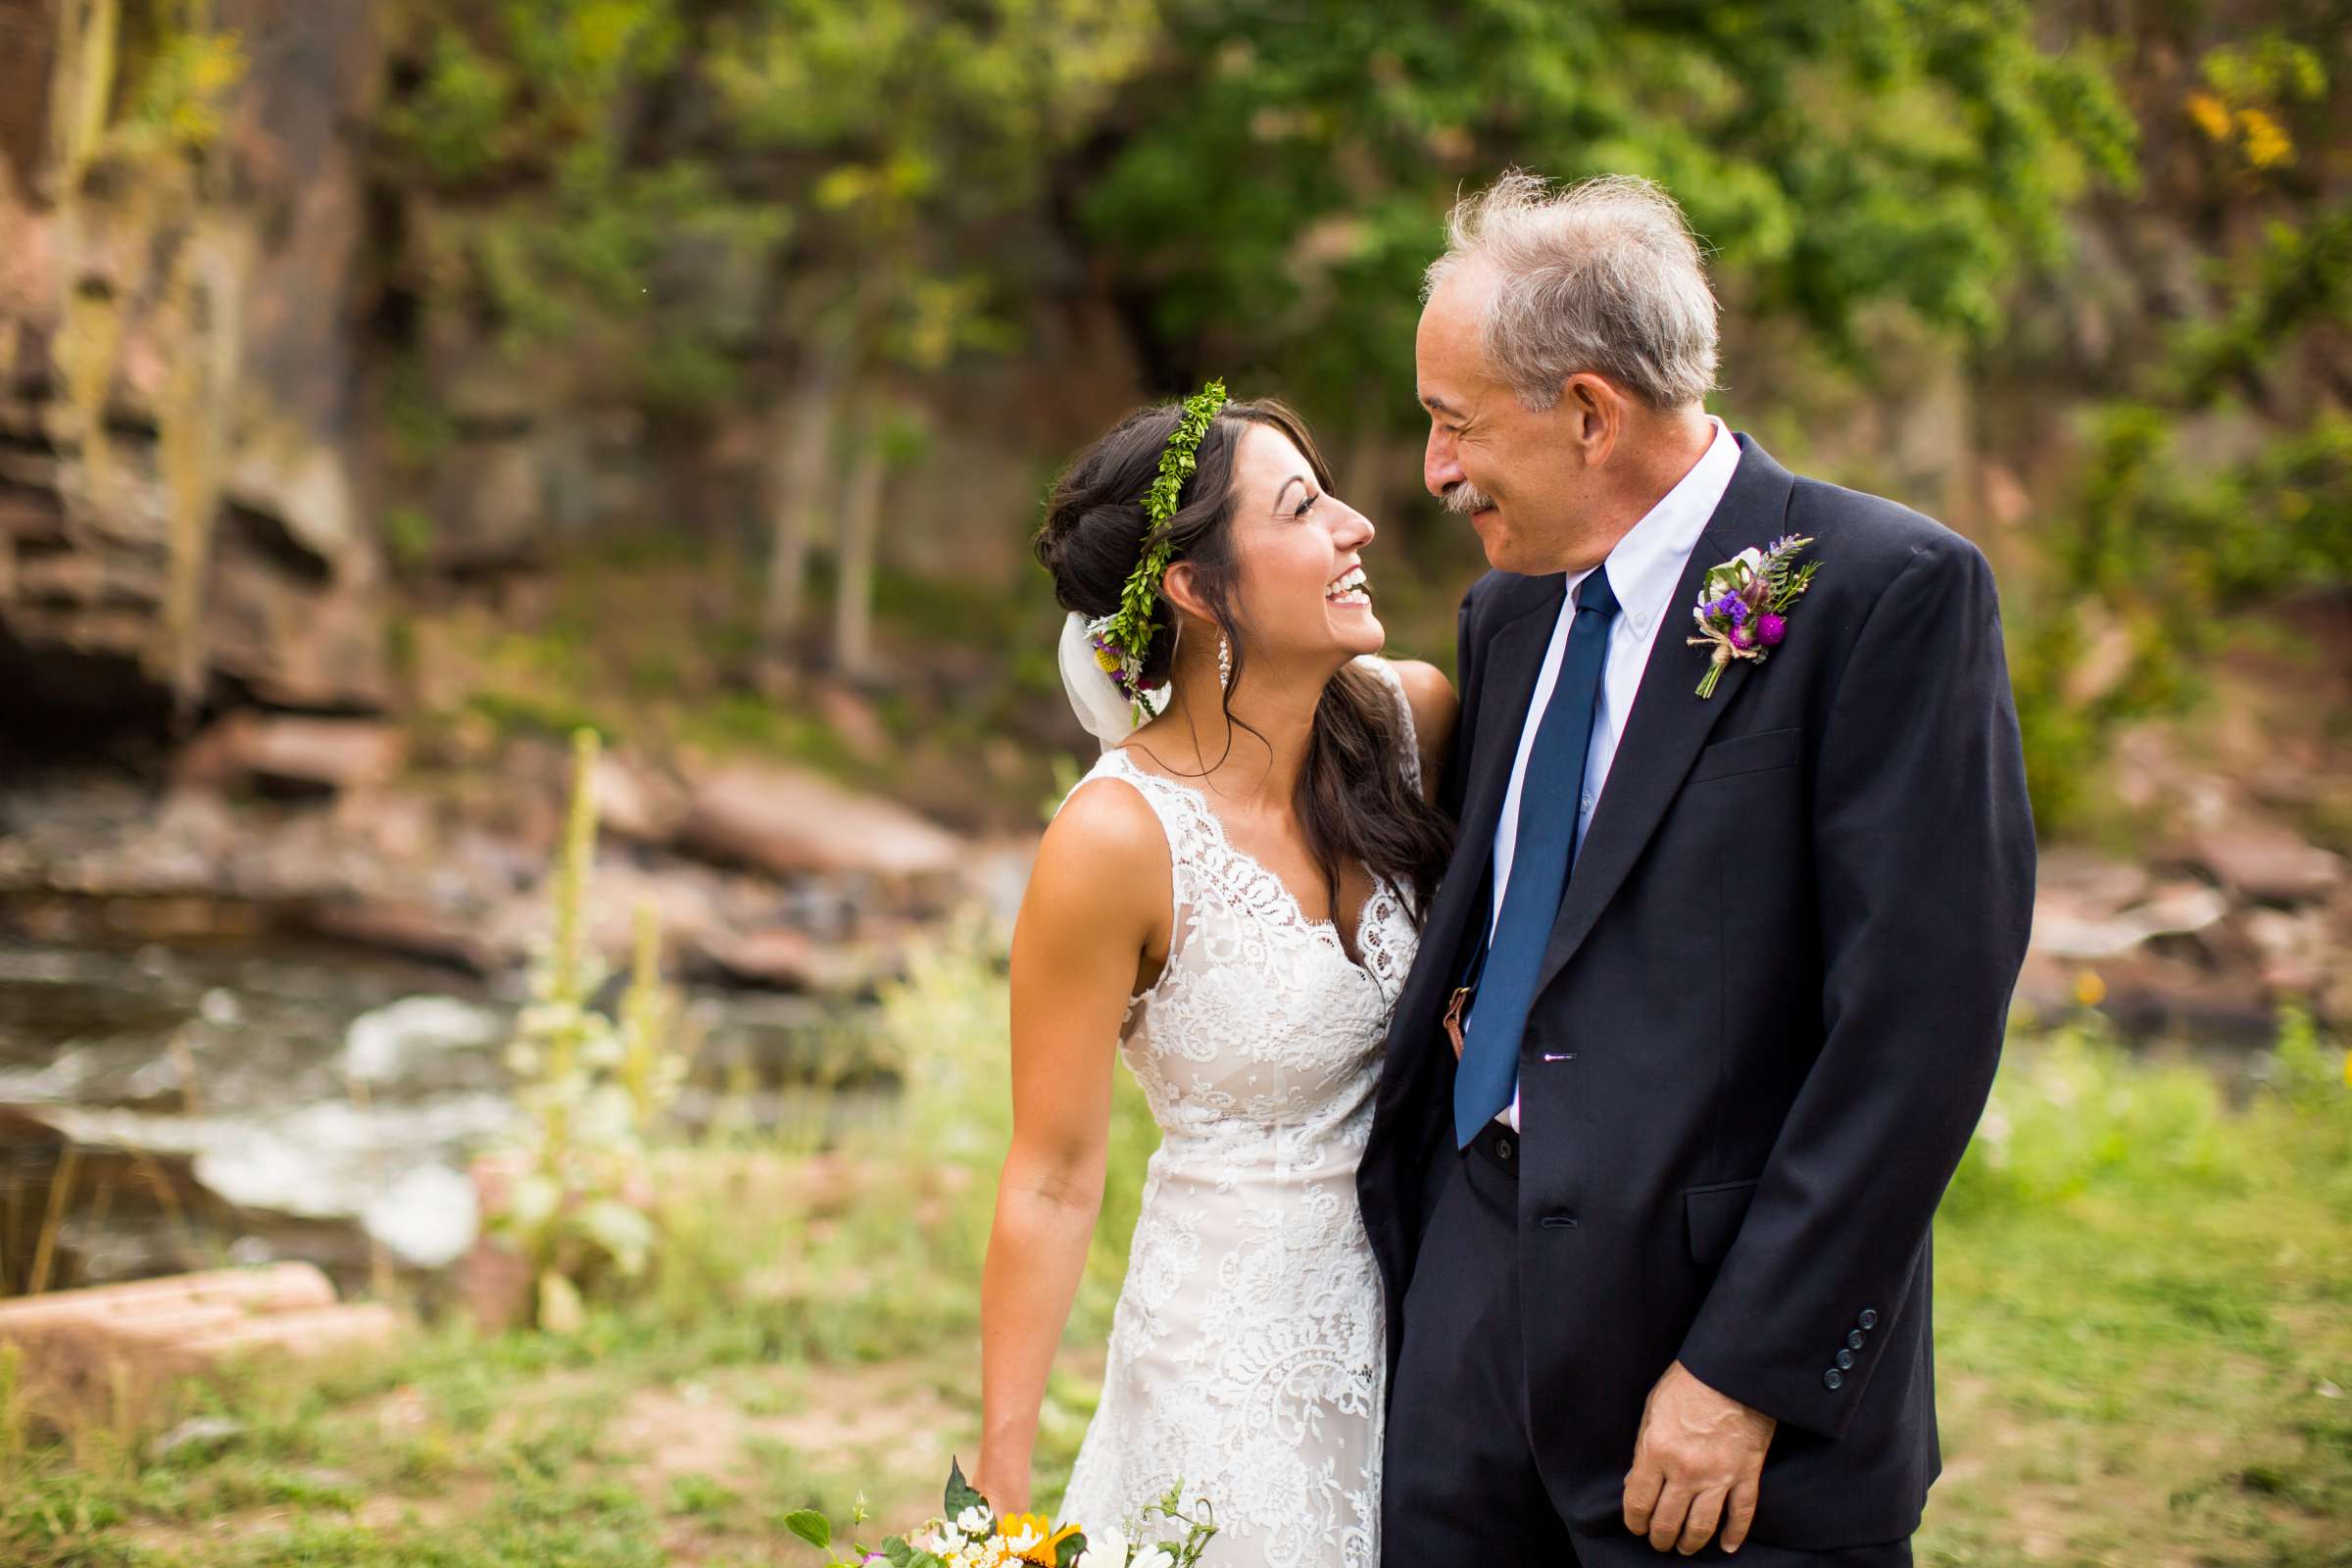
x=2267 y=142
x=2210 y=114
x=1107 y=659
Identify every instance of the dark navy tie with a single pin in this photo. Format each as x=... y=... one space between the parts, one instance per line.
x=1548 y=797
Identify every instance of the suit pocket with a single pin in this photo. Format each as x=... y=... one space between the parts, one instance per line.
x=1711 y=1217
x=1748 y=753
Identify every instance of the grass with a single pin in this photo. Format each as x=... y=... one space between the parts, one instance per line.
x=2145 y=1347
x=2144 y=1315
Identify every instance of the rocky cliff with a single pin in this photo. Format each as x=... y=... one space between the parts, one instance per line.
x=183 y=480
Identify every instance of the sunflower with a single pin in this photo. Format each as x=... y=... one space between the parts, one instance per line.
x=1032 y=1538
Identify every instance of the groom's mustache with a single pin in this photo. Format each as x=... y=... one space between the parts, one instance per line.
x=1462 y=498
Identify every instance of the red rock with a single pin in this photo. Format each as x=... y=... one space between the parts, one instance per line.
x=2297 y=952
x=108 y=1351
x=2149 y=994
x=271 y=1287
x=333 y=754
x=494 y=1281
x=635 y=801
x=2268 y=864
x=789 y=821
x=783 y=957
x=2089 y=883
x=2179 y=909
x=419 y=930
x=318 y=1331
x=289 y=607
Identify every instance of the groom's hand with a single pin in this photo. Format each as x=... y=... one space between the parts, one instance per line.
x=1697 y=1461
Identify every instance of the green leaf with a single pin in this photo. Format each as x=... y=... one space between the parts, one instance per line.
x=811 y=1527
x=897 y=1552
x=1069 y=1552
x=961 y=1496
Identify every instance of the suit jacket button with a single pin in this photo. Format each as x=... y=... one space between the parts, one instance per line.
x=1869 y=1318
x=1832 y=1380
x=1854 y=1339
x=1846 y=1360
x=1503 y=1146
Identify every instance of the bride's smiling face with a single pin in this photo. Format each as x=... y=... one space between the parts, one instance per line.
x=1301 y=588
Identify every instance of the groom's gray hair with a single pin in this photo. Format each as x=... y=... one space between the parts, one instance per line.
x=1602 y=276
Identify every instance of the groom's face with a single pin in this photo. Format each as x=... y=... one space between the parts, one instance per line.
x=1515 y=471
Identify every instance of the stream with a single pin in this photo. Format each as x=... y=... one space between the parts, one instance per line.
x=260 y=1098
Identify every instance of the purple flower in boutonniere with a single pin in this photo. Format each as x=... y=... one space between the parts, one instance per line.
x=1742 y=609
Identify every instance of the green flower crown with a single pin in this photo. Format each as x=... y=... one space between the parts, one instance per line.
x=1121 y=639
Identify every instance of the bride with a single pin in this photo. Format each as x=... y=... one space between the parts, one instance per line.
x=1232 y=896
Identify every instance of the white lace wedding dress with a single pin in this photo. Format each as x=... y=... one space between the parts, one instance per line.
x=1246 y=1351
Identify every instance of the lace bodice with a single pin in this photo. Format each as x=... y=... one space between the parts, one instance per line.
x=1246 y=1351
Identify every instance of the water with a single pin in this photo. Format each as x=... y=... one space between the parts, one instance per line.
x=257 y=1099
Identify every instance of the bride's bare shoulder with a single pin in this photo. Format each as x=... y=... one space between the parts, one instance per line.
x=1426 y=688
x=1106 y=814
x=1105 y=851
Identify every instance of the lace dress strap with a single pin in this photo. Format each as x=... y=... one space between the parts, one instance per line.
x=1183 y=816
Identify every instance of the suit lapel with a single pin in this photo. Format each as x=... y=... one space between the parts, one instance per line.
x=1514 y=658
x=1669 y=722
x=1511 y=660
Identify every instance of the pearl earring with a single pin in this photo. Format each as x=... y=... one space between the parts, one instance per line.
x=1224 y=663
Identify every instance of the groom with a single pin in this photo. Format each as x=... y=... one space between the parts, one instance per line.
x=1726 y=974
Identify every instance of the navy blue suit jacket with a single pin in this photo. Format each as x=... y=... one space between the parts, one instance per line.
x=1769 y=1014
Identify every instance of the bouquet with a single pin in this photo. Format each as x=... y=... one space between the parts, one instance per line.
x=971 y=1534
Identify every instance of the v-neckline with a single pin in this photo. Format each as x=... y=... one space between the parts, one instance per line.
x=1327 y=927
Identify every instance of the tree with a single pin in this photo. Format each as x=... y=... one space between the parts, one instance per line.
x=2214 y=425
x=927 y=124
x=1278 y=188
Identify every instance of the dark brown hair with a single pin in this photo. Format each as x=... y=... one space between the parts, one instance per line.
x=1353 y=799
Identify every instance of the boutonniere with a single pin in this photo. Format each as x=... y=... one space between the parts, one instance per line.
x=1743 y=610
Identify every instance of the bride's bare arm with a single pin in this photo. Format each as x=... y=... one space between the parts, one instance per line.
x=1434 y=711
x=1097 y=905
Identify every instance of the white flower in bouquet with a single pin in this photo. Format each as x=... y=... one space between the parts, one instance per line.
x=1153 y=1557
x=973 y=1522
x=1105 y=1548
